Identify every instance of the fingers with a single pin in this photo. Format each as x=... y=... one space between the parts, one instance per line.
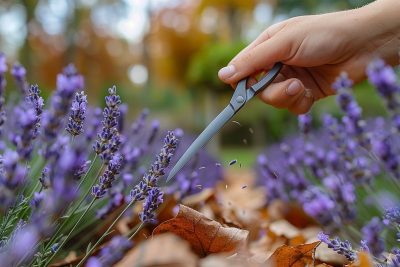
x=260 y=55
x=265 y=35
x=290 y=94
x=303 y=104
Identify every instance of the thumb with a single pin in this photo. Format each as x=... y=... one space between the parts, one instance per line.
x=254 y=60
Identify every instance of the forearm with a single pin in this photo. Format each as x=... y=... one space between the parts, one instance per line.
x=382 y=25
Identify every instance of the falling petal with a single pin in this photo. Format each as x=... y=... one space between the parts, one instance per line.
x=232 y=162
x=236 y=122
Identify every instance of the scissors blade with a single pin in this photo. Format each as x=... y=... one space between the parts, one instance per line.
x=202 y=139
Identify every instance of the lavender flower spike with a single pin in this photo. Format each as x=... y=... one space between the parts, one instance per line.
x=67 y=84
x=392 y=215
x=77 y=116
x=371 y=233
x=27 y=128
x=153 y=201
x=19 y=73
x=106 y=180
x=150 y=179
x=3 y=69
x=341 y=247
x=110 y=121
x=37 y=103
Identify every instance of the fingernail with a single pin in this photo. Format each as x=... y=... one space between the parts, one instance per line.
x=226 y=72
x=294 y=88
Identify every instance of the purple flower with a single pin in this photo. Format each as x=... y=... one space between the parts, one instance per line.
x=13 y=174
x=3 y=69
x=70 y=81
x=106 y=180
x=37 y=199
x=36 y=101
x=153 y=200
x=155 y=126
x=371 y=235
x=383 y=148
x=26 y=132
x=342 y=82
x=139 y=123
x=341 y=247
x=319 y=205
x=77 y=115
x=3 y=64
x=111 y=253
x=157 y=170
x=395 y=261
x=110 y=122
x=82 y=170
x=19 y=73
x=54 y=119
x=305 y=122
x=352 y=121
x=392 y=216
x=113 y=146
x=44 y=178
x=62 y=176
x=383 y=77
x=343 y=192
x=139 y=192
x=21 y=245
x=94 y=123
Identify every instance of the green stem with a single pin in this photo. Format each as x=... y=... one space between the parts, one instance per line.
x=70 y=232
x=7 y=219
x=60 y=228
x=87 y=173
x=104 y=234
x=136 y=231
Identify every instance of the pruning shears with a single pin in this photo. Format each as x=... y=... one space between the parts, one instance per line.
x=240 y=97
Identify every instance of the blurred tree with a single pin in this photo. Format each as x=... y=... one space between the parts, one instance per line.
x=316 y=6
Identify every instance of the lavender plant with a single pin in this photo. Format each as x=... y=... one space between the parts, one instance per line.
x=344 y=173
x=66 y=166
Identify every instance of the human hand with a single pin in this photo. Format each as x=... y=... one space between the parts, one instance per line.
x=315 y=50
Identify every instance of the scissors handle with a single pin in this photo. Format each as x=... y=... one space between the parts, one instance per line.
x=242 y=94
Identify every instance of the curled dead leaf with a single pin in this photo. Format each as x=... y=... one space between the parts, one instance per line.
x=165 y=250
x=224 y=261
x=298 y=256
x=204 y=235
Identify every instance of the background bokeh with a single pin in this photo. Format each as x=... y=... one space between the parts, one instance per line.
x=163 y=55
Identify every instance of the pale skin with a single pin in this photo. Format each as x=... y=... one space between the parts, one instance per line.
x=315 y=50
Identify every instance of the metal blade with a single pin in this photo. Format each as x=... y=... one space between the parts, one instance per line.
x=202 y=139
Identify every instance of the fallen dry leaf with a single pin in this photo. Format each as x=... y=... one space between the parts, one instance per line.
x=284 y=228
x=241 y=206
x=198 y=198
x=299 y=256
x=325 y=254
x=165 y=250
x=218 y=260
x=205 y=235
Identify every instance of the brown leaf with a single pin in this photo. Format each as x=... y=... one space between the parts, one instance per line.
x=205 y=235
x=200 y=197
x=165 y=250
x=298 y=256
x=224 y=261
